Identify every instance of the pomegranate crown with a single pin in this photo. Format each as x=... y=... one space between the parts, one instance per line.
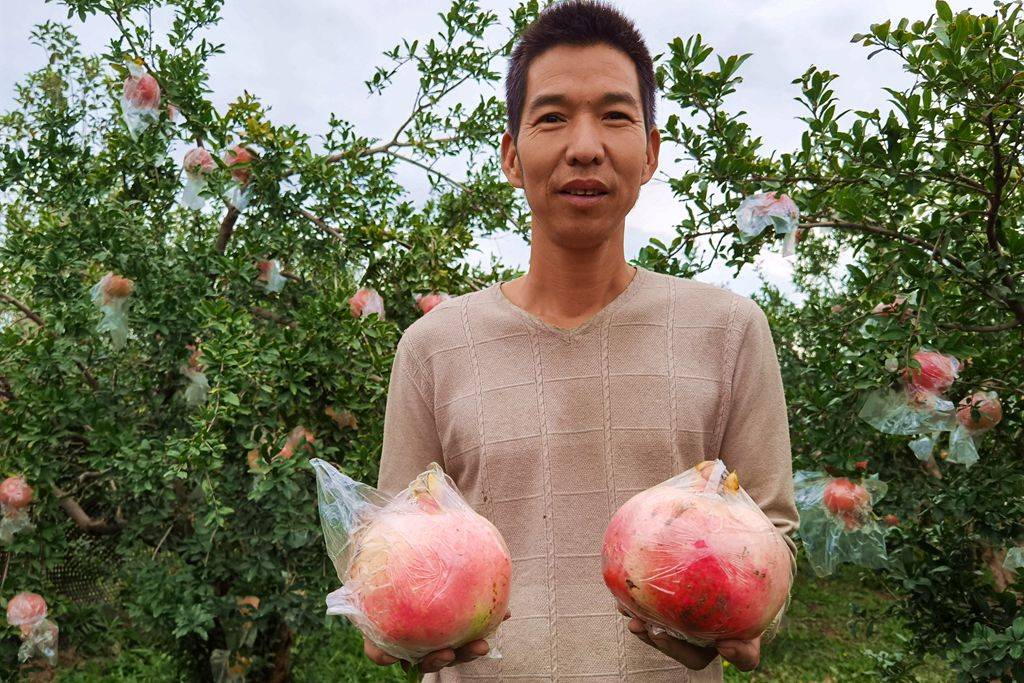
x=715 y=475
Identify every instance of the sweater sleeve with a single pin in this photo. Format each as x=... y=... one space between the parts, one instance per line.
x=410 y=433
x=755 y=442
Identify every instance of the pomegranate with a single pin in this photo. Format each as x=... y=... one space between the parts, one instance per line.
x=26 y=610
x=142 y=91
x=423 y=572
x=980 y=411
x=861 y=465
x=697 y=556
x=936 y=374
x=198 y=161
x=847 y=501
x=15 y=493
x=426 y=302
x=294 y=442
x=239 y=155
x=366 y=301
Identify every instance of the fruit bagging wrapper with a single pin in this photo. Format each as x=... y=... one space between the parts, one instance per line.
x=1014 y=559
x=421 y=571
x=837 y=523
x=764 y=210
x=112 y=294
x=15 y=498
x=39 y=635
x=270 y=277
x=975 y=415
x=905 y=412
x=13 y=521
x=140 y=100
x=696 y=558
x=239 y=159
x=198 y=164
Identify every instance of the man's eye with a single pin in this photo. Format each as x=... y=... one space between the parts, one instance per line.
x=544 y=118
x=623 y=114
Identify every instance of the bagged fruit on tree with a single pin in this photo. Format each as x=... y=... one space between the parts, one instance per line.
x=111 y=295
x=975 y=415
x=198 y=386
x=140 y=100
x=198 y=164
x=763 y=210
x=270 y=277
x=421 y=571
x=697 y=558
x=366 y=301
x=238 y=159
x=837 y=523
x=38 y=634
x=426 y=302
x=924 y=446
x=15 y=497
x=1014 y=559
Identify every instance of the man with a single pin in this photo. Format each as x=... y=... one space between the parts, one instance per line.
x=555 y=397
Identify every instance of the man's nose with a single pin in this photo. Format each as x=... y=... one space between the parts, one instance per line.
x=585 y=145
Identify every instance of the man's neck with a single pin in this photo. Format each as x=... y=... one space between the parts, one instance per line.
x=566 y=288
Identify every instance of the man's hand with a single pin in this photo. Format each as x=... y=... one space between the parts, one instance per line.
x=436 y=660
x=745 y=655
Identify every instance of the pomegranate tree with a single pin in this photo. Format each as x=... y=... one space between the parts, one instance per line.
x=697 y=557
x=421 y=572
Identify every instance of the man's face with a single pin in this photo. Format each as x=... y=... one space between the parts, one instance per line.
x=582 y=120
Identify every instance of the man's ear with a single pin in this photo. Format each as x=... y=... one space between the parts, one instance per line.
x=510 y=161
x=653 y=148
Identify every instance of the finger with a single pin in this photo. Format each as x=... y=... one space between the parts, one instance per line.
x=507 y=615
x=691 y=656
x=376 y=655
x=470 y=651
x=437 y=660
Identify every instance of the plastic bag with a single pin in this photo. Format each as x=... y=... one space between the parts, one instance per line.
x=836 y=521
x=238 y=195
x=695 y=557
x=38 y=634
x=1014 y=559
x=270 y=277
x=762 y=210
x=15 y=497
x=905 y=411
x=198 y=387
x=140 y=100
x=975 y=415
x=198 y=163
x=111 y=295
x=366 y=301
x=421 y=571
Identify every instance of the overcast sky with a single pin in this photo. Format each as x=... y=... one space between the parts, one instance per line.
x=308 y=59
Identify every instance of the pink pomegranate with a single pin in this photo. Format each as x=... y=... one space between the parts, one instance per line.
x=426 y=571
x=15 y=493
x=239 y=155
x=426 y=302
x=936 y=374
x=366 y=301
x=26 y=610
x=198 y=162
x=980 y=411
x=696 y=555
x=848 y=501
x=142 y=91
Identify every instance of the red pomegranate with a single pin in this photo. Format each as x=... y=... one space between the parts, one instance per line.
x=426 y=572
x=198 y=161
x=696 y=555
x=936 y=374
x=235 y=156
x=980 y=411
x=26 y=610
x=116 y=287
x=847 y=500
x=15 y=493
x=142 y=91
x=427 y=302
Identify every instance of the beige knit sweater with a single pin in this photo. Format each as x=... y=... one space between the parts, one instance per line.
x=547 y=431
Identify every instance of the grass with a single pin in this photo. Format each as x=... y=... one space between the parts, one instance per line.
x=825 y=638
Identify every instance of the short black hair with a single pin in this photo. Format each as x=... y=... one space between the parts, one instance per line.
x=582 y=23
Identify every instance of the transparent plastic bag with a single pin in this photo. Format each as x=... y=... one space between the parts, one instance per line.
x=38 y=634
x=198 y=387
x=836 y=521
x=763 y=210
x=421 y=571
x=140 y=100
x=975 y=415
x=198 y=164
x=238 y=159
x=366 y=301
x=905 y=411
x=111 y=295
x=270 y=277
x=1014 y=559
x=696 y=558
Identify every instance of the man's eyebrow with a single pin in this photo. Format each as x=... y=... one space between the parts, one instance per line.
x=561 y=100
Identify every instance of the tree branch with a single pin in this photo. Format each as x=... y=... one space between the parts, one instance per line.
x=82 y=519
x=227 y=226
x=23 y=308
x=270 y=315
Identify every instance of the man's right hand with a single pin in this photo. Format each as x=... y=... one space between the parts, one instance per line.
x=436 y=660
x=690 y=656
